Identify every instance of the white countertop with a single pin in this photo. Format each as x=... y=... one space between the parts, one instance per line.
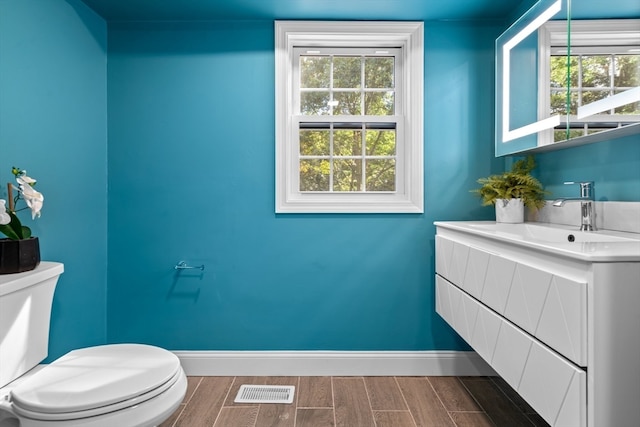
x=594 y=246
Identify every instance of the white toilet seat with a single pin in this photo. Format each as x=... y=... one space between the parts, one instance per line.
x=98 y=380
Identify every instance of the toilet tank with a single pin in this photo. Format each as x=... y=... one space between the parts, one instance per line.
x=25 y=313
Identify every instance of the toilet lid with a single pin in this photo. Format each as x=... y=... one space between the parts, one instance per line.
x=96 y=376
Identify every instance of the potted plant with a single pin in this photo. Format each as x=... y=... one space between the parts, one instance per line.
x=511 y=191
x=19 y=251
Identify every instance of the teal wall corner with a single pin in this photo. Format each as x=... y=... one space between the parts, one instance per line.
x=53 y=124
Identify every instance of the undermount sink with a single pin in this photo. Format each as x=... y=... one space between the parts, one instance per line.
x=548 y=233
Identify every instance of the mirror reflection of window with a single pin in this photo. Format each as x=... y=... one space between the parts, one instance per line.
x=599 y=80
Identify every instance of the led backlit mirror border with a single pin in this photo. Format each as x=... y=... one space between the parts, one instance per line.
x=618 y=100
x=549 y=9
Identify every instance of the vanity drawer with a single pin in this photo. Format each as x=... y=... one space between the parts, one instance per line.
x=550 y=307
x=554 y=387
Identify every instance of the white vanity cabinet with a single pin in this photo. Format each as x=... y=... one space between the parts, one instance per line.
x=559 y=322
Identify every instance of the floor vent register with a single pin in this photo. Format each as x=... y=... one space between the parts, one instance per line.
x=265 y=394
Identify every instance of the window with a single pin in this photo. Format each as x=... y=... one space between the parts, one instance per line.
x=349 y=114
x=599 y=79
x=347 y=126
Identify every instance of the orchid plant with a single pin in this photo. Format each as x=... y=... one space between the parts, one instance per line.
x=10 y=225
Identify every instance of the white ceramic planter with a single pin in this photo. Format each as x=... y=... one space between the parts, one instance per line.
x=509 y=211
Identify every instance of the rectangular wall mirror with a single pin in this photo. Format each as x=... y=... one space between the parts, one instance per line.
x=562 y=81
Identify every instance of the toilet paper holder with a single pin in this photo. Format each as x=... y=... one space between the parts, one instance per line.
x=182 y=265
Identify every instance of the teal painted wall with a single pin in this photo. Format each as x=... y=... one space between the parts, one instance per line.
x=191 y=177
x=614 y=167
x=53 y=124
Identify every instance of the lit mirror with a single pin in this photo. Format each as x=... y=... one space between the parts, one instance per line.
x=519 y=113
x=563 y=82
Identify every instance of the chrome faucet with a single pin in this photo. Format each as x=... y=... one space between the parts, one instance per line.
x=587 y=208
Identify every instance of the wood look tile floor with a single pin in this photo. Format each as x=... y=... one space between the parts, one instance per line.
x=358 y=402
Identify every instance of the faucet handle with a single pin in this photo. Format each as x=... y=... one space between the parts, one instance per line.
x=586 y=188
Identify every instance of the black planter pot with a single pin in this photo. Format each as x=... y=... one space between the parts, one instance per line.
x=17 y=256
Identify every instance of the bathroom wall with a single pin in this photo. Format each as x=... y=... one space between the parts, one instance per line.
x=190 y=157
x=53 y=124
x=613 y=166
x=191 y=177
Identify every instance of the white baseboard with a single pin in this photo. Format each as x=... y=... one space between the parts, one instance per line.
x=333 y=363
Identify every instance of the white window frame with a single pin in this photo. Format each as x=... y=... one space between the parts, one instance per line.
x=409 y=194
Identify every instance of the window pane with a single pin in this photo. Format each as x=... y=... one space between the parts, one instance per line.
x=559 y=135
x=347 y=143
x=595 y=71
x=315 y=71
x=348 y=103
x=346 y=72
x=589 y=96
x=381 y=142
x=627 y=75
x=314 y=103
x=559 y=102
x=314 y=175
x=381 y=175
x=314 y=142
x=574 y=133
x=378 y=72
x=573 y=103
x=574 y=71
x=558 y=76
x=627 y=72
x=631 y=108
x=379 y=103
x=347 y=175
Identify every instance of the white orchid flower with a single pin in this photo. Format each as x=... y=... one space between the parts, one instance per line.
x=33 y=198
x=4 y=216
x=25 y=180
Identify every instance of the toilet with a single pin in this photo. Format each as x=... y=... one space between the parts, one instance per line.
x=116 y=385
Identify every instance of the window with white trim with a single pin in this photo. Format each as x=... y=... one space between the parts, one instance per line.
x=349 y=116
